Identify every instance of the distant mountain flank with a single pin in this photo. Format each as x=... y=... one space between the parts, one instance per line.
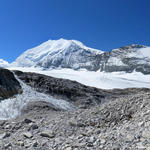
x=62 y=53
x=128 y=58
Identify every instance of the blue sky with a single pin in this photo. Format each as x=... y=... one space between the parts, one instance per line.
x=101 y=24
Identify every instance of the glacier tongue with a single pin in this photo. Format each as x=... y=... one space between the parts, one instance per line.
x=10 y=108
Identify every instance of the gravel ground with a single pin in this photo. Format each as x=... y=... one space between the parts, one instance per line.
x=121 y=124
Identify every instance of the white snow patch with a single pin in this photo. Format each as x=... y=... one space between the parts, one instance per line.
x=115 y=61
x=145 y=52
x=140 y=53
x=3 y=63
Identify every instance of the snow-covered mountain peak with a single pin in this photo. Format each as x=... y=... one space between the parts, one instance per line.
x=64 y=44
x=57 y=53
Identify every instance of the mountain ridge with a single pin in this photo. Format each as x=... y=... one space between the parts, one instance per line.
x=73 y=54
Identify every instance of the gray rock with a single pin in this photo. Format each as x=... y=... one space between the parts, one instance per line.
x=35 y=144
x=68 y=148
x=4 y=135
x=27 y=120
x=47 y=133
x=8 y=126
x=33 y=126
x=20 y=143
x=28 y=134
x=103 y=141
x=6 y=146
x=130 y=138
x=146 y=134
x=78 y=145
x=92 y=139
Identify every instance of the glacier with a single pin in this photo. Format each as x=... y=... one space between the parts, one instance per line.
x=11 y=107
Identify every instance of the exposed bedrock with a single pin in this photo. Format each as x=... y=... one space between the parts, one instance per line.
x=9 y=86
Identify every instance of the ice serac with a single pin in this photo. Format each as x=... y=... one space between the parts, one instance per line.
x=128 y=58
x=59 y=54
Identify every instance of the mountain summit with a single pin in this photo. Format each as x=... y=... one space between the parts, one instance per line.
x=58 y=53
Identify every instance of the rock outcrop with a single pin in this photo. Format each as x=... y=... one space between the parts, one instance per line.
x=9 y=86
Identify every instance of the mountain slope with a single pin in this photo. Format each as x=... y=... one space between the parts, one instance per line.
x=129 y=58
x=59 y=53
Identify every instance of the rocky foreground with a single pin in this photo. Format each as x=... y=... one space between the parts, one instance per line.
x=108 y=120
x=123 y=124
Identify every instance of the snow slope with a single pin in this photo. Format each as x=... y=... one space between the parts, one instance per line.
x=3 y=63
x=97 y=79
x=141 y=53
x=58 y=53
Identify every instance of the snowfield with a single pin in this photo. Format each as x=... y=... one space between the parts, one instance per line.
x=97 y=79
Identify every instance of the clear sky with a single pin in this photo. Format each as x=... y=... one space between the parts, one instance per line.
x=101 y=24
